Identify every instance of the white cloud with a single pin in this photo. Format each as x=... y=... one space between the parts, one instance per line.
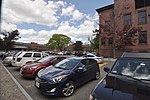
x=80 y=33
x=68 y=11
x=77 y=15
x=8 y=26
x=27 y=11
x=45 y=13
x=29 y=32
x=71 y=11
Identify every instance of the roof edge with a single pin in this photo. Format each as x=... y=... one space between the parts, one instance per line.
x=99 y=10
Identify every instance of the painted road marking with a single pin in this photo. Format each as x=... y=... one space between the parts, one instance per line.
x=103 y=64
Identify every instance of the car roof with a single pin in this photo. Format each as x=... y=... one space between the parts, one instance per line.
x=135 y=55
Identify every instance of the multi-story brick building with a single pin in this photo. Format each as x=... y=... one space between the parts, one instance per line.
x=119 y=14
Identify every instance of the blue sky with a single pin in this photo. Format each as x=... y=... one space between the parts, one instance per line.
x=38 y=20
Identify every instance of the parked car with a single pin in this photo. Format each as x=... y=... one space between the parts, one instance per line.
x=26 y=56
x=98 y=59
x=7 y=60
x=59 y=53
x=65 y=76
x=31 y=69
x=128 y=79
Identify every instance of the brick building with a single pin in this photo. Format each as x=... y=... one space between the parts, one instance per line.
x=119 y=14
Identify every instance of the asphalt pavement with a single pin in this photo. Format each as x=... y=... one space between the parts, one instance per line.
x=8 y=86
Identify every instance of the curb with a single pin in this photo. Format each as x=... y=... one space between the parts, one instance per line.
x=19 y=86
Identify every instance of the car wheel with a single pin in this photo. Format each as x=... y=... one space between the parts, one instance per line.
x=97 y=75
x=68 y=89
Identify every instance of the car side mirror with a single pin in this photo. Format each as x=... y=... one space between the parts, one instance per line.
x=106 y=69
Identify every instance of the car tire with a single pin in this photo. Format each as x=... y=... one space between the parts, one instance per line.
x=68 y=88
x=97 y=75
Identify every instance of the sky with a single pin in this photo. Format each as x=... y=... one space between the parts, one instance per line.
x=38 y=20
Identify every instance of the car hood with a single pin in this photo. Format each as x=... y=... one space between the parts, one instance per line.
x=117 y=88
x=51 y=72
x=31 y=65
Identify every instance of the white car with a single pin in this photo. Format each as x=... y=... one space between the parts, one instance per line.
x=9 y=58
x=26 y=56
x=98 y=59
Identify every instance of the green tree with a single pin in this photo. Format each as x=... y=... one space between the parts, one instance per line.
x=95 y=41
x=8 y=40
x=78 y=46
x=58 y=41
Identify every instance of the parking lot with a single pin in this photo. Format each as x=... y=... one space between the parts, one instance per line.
x=81 y=93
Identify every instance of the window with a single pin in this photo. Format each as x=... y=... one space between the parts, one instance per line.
x=107 y=25
x=28 y=55
x=103 y=39
x=90 y=56
x=37 y=55
x=141 y=3
x=142 y=18
x=127 y=19
x=143 y=37
x=110 y=40
x=91 y=62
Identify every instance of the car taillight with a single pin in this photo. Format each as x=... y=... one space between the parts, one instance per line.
x=18 y=59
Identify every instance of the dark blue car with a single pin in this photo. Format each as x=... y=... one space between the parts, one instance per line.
x=128 y=79
x=64 y=77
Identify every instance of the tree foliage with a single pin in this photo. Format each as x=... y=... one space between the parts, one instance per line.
x=78 y=46
x=58 y=41
x=127 y=36
x=8 y=40
x=95 y=41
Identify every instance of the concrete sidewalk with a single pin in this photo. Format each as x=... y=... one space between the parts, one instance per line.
x=8 y=87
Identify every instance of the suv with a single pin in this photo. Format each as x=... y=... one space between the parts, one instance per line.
x=128 y=79
x=26 y=56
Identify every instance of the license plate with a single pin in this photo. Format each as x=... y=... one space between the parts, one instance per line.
x=37 y=84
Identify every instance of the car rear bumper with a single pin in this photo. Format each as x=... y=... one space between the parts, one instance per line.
x=16 y=64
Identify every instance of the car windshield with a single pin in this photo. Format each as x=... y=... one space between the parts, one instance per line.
x=67 y=64
x=135 y=68
x=45 y=59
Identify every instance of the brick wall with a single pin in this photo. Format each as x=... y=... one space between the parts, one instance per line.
x=122 y=7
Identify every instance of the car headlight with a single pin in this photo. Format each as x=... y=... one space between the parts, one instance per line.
x=58 y=79
x=33 y=67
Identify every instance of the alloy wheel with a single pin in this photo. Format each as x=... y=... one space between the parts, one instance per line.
x=68 y=89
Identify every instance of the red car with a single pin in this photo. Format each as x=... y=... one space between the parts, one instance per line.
x=31 y=69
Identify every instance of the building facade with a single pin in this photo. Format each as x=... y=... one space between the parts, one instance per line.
x=115 y=17
x=30 y=46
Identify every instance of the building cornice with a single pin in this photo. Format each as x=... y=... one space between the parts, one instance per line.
x=99 y=10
